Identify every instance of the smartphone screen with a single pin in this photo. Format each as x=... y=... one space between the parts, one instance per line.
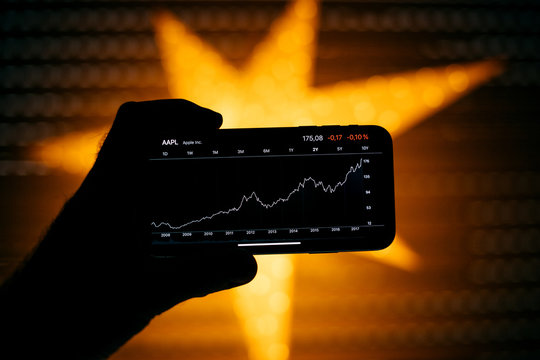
x=272 y=190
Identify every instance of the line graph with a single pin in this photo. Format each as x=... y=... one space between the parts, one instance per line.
x=270 y=187
x=317 y=184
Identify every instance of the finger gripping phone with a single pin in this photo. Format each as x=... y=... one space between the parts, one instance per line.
x=272 y=190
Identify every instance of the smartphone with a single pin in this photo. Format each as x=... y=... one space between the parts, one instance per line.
x=272 y=190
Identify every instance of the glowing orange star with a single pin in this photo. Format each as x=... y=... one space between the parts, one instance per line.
x=274 y=89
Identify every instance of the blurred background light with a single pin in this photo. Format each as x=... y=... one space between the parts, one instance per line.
x=461 y=279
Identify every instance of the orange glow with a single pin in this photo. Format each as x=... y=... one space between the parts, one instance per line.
x=398 y=255
x=74 y=153
x=264 y=308
x=400 y=101
x=274 y=89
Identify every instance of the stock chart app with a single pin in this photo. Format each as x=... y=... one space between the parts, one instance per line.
x=273 y=190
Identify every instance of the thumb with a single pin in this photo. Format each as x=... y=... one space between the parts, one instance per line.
x=176 y=279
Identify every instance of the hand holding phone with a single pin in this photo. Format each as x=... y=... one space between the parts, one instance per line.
x=90 y=278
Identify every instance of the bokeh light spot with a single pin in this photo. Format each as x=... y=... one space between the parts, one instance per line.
x=457 y=78
x=399 y=87
x=433 y=96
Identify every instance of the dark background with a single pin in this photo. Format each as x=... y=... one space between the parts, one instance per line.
x=467 y=178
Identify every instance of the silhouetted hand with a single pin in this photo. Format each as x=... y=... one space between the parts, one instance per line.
x=90 y=285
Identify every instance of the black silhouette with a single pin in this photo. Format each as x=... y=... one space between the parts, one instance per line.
x=89 y=286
